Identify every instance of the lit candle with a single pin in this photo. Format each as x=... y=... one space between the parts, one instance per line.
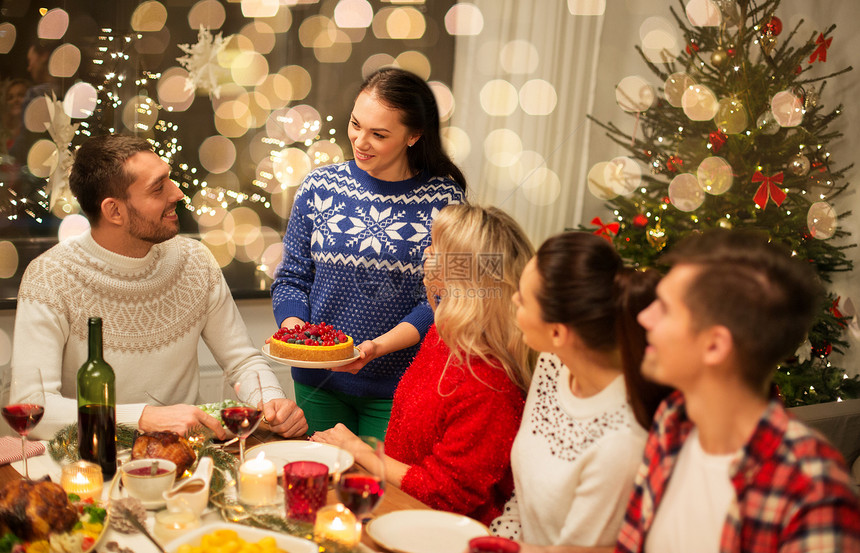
x=337 y=523
x=83 y=479
x=169 y=525
x=258 y=481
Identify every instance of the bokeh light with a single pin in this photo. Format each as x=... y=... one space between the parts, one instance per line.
x=623 y=175
x=139 y=114
x=685 y=193
x=414 y=61
x=338 y=52
x=317 y=31
x=374 y=62
x=42 y=158
x=715 y=175
x=353 y=14
x=8 y=261
x=36 y=116
x=444 y=99
x=675 y=86
x=634 y=94
x=499 y=98
x=291 y=166
x=821 y=220
x=731 y=116
x=261 y=35
x=154 y=43
x=53 y=25
x=249 y=69
x=277 y=91
x=324 y=152
x=80 y=101
x=64 y=61
x=259 y=8
x=300 y=80
x=703 y=13
x=542 y=187
x=586 y=7
x=174 y=89
x=149 y=16
x=596 y=182
x=538 y=97
x=71 y=226
x=209 y=14
x=503 y=147
x=456 y=143
x=464 y=19
x=403 y=23
x=700 y=104
x=7 y=37
x=222 y=247
x=787 y=109
x=660 y=46
x=217 y=154
x=519 y=57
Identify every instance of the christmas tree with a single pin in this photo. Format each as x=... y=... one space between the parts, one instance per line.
x=736 y=137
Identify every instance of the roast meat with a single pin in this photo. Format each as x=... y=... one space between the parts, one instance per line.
x=32 y=509
x=164 y=445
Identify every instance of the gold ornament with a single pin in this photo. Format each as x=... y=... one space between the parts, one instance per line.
x=768 y=43
x=719 y=57
x=725 y=223
x=657 y=237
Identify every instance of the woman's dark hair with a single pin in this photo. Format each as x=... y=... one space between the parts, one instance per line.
x=412 y=97
x=585 y=285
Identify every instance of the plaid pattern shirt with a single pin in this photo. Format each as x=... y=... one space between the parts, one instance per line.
x=793 y=493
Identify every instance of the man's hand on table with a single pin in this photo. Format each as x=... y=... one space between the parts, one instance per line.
x=180 y=419
x=284 y=417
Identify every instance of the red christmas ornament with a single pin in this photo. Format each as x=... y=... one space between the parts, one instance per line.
x=774 y=26
x=640 y=221
x=798 y=71
x=731 y=52
x=820 y=53
x=769 y=189
x=692 y=47
x=717 y=140
x=834 y=308
x=823 y=350
x=674 y=164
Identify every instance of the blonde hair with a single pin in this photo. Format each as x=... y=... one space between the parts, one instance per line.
x=483 y=252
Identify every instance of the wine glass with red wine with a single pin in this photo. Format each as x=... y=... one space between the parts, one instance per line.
x=360 y=489
x=244 y=419
x=25 y=409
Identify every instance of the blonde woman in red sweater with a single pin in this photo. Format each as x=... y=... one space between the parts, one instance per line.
x=458 y=406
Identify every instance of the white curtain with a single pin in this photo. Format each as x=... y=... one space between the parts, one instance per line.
x=530 y=164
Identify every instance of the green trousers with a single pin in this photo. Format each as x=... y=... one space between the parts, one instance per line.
x=364 y=416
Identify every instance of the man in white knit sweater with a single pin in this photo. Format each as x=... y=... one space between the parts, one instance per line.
x=157 y=294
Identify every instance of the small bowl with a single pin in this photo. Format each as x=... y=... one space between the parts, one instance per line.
x=139 y=483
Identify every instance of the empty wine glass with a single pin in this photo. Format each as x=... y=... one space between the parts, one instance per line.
x=25 y=408
x=244 y=419
x=360 y=489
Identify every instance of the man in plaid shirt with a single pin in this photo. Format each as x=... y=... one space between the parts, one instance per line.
x=725 y=468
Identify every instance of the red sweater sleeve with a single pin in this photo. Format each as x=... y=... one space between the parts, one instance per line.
x=471 y=463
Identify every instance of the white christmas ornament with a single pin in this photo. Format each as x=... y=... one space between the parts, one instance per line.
x=699 y=103
x=715 y=175
x=685 y=193
x=804 y=350
x=634 y=94
x=787 y=109
x=201 y=62
x=622 y=175
x=821 y=220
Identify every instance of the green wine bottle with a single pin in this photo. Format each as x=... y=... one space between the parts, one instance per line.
x=97 y=405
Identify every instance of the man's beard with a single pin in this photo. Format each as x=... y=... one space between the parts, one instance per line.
x=154 y=233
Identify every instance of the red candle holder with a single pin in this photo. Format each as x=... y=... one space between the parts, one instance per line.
x=305 y=489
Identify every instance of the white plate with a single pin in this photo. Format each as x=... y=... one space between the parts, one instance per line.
x=287 y=451
x=424 y=531
x=118 y=491
x=247 y=533
x=310 y=364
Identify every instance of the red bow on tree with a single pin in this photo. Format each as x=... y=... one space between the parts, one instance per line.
x=836 y=312
x=769 y=189
x=607 y=230
x=717 y=140
x=821 y=52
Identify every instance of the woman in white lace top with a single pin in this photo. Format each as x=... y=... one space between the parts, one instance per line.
x=588 y=408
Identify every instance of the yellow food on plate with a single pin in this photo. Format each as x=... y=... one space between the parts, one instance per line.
x=228 y=541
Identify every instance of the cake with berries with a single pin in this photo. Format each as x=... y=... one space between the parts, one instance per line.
x=311 y=342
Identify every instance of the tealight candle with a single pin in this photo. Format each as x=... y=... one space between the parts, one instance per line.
x=338 y=524
x=169 y=525
x=258 y=481
x=83 y=479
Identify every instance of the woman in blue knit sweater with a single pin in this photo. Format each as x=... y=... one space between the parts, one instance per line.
x=353 y=250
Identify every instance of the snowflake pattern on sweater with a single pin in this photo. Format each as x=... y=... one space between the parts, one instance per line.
x=353 y=256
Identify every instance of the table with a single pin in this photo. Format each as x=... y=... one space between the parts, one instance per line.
x=394 y=498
